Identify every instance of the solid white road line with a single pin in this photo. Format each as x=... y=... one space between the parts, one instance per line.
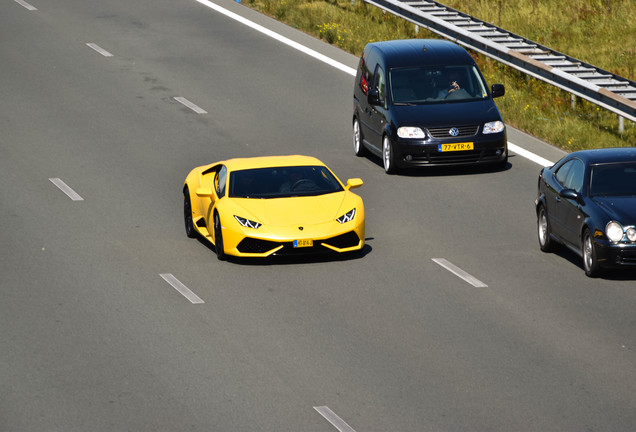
x=529 y=155
x=332 y=418
x=279 y=38
x=99 y=49
x=26 y=5
x=190 y=105
x=459 y=272
x=176 y=284
x=66 y=189
x=515 y=148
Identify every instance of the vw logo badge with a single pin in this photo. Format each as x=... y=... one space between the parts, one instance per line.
x=454 y=132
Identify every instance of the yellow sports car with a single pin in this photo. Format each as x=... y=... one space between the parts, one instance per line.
x=273 y=205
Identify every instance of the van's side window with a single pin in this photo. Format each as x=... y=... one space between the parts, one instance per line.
x=380 y=83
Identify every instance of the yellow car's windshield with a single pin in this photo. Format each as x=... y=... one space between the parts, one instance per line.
x=280 y=182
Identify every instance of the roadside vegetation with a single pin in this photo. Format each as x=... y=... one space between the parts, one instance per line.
x=598 y=32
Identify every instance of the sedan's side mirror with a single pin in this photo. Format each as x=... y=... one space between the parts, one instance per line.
x=498 y=90
x=354 y=183
x=571 y=194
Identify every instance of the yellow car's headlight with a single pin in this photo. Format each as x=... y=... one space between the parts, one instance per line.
x=247 y=223
x=347 y=216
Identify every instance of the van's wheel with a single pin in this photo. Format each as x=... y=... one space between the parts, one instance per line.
x=358 y=148
x=187 y=214
x=388 y=156
x=218 y=238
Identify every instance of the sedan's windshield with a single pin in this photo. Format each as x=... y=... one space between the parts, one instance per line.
x=280 y=182
x=436 y=84
x=613 y=179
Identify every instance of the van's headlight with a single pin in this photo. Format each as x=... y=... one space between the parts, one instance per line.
x=410 y=132
x=493 y=127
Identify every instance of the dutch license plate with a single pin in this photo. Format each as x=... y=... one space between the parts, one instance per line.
x=303 y=243
x=455 y=147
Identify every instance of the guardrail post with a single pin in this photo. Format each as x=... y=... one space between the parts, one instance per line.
x=621 y=124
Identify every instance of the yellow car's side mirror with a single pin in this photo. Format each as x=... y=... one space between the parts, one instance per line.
x=354 y=183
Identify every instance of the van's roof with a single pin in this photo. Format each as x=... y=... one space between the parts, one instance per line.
x=415 y=52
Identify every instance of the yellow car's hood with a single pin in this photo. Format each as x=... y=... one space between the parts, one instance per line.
x=291 y=211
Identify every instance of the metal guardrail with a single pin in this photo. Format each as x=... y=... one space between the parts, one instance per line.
x=603 y=88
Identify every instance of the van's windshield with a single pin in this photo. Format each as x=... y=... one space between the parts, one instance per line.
x=436 y=84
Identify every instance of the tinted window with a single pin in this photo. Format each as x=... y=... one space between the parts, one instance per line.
x=563 y=171
x=436 y=84
x=613 y=179
x=280 y=182
x=574 y=179
x=220 y=182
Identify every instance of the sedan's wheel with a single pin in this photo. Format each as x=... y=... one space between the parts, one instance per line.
x=218 y=238
x=590 y=260
x=388 y=157
x=187 y=214
x=358 y=148
x=545 y=241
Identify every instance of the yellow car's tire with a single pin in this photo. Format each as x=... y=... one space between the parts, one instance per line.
x=218 y=238
x=187 y=214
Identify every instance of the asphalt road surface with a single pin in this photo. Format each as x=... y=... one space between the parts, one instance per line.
x=95 y=142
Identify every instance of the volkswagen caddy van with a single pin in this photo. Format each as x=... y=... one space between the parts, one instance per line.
x=422 y=102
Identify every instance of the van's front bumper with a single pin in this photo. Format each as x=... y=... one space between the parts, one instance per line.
x=419 y=153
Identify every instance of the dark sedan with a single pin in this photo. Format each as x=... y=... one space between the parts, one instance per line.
x=587 y=202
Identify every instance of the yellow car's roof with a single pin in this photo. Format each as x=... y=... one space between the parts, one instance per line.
x=270 y=161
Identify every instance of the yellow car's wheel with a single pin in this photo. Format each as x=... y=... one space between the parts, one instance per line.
x=218 y=238
x=187 y=214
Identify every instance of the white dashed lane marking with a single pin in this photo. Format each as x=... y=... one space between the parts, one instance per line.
x=184 y=290
x=190 y=105
x=333 y=418
x=66 y=189
x=99 y=49
x=26 y=5
x=459 y=272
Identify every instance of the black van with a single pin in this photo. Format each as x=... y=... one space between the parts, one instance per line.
x=422 y=102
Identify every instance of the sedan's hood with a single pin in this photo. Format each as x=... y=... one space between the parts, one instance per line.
x=293 y=211
x=619 y=208
x=446 y=114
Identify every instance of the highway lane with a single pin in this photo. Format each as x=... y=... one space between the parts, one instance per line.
x=94 y=339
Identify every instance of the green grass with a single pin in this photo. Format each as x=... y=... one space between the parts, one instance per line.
x=599 y=32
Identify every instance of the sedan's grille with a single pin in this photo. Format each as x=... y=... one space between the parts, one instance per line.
x=461 y=131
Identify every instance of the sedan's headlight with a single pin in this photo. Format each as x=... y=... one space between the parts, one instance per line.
x=347 y=216
x=247 y=223
x=493 y=127
x=410 y=132
x=614 y=231
x=631 y=234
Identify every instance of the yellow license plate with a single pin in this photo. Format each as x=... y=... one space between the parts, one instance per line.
x=455 y=147
x=303 y=243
